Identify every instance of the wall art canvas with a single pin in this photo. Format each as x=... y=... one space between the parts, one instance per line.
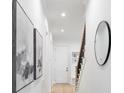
x=24 y=49
x=38 y=54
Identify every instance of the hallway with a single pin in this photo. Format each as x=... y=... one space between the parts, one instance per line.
x=63 y=88
x=60 y=46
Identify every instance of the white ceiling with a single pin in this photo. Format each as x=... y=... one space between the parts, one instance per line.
x=72 y=23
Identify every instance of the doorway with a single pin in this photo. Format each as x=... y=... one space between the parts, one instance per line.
x=61 y=64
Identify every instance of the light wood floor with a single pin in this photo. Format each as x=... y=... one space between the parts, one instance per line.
x=63 y=88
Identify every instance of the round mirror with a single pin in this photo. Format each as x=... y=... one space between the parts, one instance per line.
x=102 y=43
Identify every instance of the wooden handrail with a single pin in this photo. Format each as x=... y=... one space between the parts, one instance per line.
x=81 y=54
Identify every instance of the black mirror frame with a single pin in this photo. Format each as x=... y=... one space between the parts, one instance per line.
x=109 y=47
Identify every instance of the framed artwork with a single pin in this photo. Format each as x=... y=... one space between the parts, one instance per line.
x=38 y=51
x=23 y=51
x=102 y=44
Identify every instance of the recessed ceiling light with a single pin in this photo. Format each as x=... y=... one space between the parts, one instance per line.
x=62 y=30
x=63 y=14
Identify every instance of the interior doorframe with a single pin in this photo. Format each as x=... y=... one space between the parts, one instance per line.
x=69 y=61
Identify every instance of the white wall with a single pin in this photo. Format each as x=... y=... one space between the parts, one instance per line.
x=33 y=9
x=95 y=79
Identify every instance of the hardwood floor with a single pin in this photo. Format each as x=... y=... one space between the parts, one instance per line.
x=63 y=88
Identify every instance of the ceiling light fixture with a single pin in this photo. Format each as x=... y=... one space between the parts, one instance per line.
x=63 y=14
x=62 y=30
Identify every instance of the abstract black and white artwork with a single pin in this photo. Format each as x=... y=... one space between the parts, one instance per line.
x=38 y=46
x=24 y=49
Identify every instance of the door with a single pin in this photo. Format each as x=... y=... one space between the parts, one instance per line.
x=61 y=68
